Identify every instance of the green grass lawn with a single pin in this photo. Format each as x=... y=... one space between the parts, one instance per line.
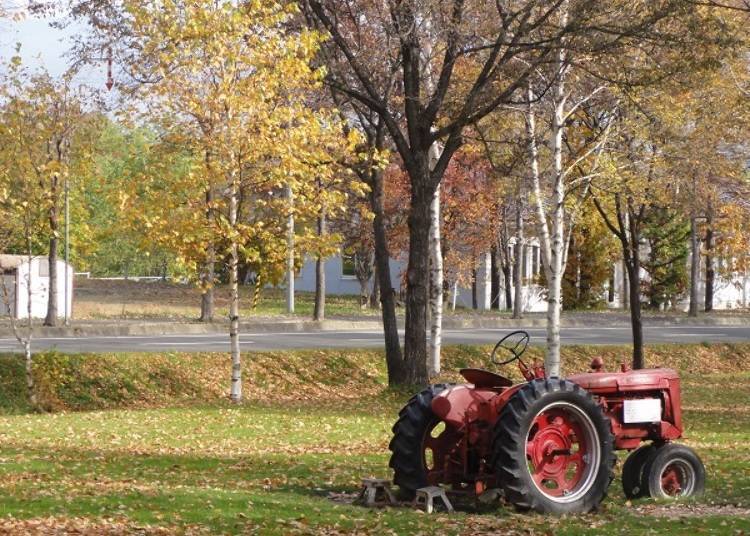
x=157 y=300
x=272 y=468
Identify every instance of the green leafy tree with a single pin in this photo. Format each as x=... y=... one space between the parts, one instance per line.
x=666 y=234
x=590 y=262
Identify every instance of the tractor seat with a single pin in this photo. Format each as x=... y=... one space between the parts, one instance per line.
x=485 y=378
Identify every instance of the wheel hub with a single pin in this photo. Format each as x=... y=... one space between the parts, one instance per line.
x=557 y=451
x=677 y=479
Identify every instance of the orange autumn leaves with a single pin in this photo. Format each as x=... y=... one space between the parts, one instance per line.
x=470 y=201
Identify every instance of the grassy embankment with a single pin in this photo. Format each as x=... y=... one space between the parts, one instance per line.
x=148 y=443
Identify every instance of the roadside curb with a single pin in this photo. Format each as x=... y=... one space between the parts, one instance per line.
x=147 y=329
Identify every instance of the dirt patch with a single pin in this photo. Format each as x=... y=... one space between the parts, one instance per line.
x=676 y=511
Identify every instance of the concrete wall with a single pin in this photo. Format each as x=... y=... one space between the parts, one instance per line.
x=38 y=273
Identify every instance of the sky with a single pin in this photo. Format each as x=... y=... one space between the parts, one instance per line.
x=45 y=46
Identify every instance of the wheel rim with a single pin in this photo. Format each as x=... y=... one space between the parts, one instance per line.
x=677 y=478
x=563 y=452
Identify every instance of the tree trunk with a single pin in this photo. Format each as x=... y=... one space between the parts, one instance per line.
x=710 y=273
x=364 y=295
x=29 y=370
x=557 y=246
x=625 y=287
x=234 y=303
x=495 y=279
x=207 y=297
x=393 y=355
x=417 y=281
x=290 y=253
x=552 y=360
x=508 y=288
x=375 y=294
x=26 y=342
x=51 y=318
x=436 y=287
x=320 y=275
x=694 y=267
x=209 y=270
x=454 y=295
x=474 y=304
x=636 y=320
x=518 y=280
x=66 y=277
x=632 y=258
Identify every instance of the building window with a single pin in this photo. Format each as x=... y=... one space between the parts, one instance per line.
x=348 y=265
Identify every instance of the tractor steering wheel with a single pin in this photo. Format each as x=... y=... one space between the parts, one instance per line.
x=514 y=343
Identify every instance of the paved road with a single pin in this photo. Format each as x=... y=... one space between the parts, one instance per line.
x=374 y=339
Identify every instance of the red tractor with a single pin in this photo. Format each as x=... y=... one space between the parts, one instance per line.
x=546 y=444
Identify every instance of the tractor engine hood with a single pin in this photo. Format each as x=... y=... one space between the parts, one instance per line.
x=465 y=403
x=626 y=382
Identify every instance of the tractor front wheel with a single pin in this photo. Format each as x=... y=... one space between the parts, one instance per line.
x=675 y=471
x=553 y=448
x=634 y=483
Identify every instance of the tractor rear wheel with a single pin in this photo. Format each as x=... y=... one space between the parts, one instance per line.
x=420 y=439
x=553 y=448
x=634 y=483
x=675 y=471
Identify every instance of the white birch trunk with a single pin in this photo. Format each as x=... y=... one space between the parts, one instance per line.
x=552 y=240
x=436 y=254
x=436 y=283
x=552 y=359
x=485 y=278
x=518 y=280
x=30 y=389
x=694 y=267
x=454 y=298
x=290 y=253
x=234 y=303
x=26 y=341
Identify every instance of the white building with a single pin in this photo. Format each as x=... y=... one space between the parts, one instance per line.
x=340 y=277
x=341 y=280
x=17 y=273
x=730 y=291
